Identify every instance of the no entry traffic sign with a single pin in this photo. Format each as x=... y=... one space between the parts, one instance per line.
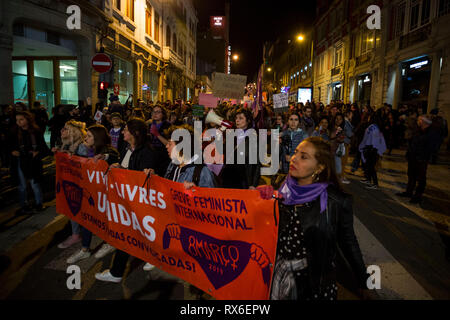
x=101 y=63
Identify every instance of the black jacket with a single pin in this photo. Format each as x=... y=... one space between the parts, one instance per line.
x=24 y=142
x=423 y=144
x=241 y=176
x=323 y=234
x=113 y=154
x=146 y=157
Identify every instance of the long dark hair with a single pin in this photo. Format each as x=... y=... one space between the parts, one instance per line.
x=332 y=126
x=248 y=116
x=138 y=129
x=32 y=126
x=101 y=137
x=324 y=157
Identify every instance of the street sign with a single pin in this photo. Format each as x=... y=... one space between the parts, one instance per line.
x=101 y=63
x=116 y=89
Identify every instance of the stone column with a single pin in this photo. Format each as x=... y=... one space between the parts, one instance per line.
x=434 y=81
x=6 y=89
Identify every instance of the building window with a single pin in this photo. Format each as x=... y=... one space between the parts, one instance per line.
x=444 y=7
x=426 y=5
x=338 y=56
x=156 y=27
x=414 y=22
x=400 y=19
x=20 y=81
x=68 y=70
x=377 y=38
x=129 y=10
x=44 y=83
x=148 y=20
x=124 y=76
x=420 y=13
x=168 y=36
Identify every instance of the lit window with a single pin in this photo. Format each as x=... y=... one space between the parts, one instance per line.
x=148 y=20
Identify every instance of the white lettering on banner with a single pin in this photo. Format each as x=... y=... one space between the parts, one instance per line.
x=74 y=20
x=374 y=21
x=280 y=100
x=229 y=86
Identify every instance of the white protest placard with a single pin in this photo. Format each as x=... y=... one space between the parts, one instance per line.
x=280 y=100
x=207 y=100
x=230 y=86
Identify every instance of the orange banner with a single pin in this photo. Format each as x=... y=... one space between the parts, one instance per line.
x=222 y=241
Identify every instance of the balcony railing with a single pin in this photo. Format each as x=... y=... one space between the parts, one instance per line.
x=171 y=56
x=363 y=59
x=415 y=37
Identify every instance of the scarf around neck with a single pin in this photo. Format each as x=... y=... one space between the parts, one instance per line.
x=294 y=194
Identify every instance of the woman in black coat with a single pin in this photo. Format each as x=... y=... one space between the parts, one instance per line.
x=28 y=148
x=246 y=175
x=316 y=218
x=139 y=156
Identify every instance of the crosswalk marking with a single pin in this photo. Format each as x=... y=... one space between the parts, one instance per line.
x=396 y=282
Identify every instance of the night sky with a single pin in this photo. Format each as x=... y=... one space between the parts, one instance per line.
x=253 y=22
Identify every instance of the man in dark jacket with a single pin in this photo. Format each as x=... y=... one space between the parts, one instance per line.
x=420 y=148
x=40 y=116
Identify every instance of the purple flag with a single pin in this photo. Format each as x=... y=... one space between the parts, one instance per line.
x=257 y=103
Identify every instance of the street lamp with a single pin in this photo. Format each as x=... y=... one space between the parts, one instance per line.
x=269 y=69
x=235 y=57
x=300 y=38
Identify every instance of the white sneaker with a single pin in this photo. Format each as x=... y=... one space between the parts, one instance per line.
x=148 y=267
x=104 y=250
x=107 y=276
x=77 y=256
x=372 y=187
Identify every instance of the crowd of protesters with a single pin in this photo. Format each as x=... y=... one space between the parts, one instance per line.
x=314 y=138
x=359 y=131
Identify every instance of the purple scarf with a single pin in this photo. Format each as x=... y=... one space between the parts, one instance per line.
x=294 y=194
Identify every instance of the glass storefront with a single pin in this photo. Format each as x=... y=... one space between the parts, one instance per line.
x=20 y=82
x=47 y=82
x=123 y=76
x=364 y=89
x=43 y=83
x=150 y=85
x=336 y=92
x=416 y=75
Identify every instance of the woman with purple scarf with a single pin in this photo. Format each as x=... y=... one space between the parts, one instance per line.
x=315 y=218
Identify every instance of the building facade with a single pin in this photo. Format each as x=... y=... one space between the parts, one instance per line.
x=152 y=45
x=290 y=62
x=41 y=59
x=404 y=62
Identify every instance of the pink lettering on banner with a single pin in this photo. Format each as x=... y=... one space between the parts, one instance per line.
x=207 y=100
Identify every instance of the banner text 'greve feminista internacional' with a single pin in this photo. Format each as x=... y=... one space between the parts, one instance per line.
x=222 y=241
